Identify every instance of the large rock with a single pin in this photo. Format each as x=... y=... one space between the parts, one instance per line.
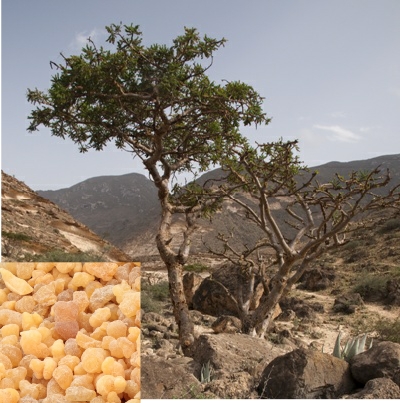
x=306 y=311
x=235 y=352
x=239 y=385
x=317 y=279
x=237 y=281
x=378 y=388
x=211 y=298
x=347 y=303
x=393 y=292
x=161 y=379
x=191 y=282
x=227 y=324
x=382 y=360
x=236 y=359
x=305 y=374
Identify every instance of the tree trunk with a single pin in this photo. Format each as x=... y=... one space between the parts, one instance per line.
x=181 y=310
x=258 y=321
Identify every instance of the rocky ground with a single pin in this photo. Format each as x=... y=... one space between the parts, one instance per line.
x=355 y=291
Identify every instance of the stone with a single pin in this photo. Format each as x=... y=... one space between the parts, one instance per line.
x=163 y=380
x=238 y=282
x=305 y=374
x=227 y=324
x=381 y=360
x=303 y=310
x=347 y=303
x=378 y=388
x=191 y=282
x=316 y=279
x=239 y=385
x=212 y=298
x=238 y=352
x=393 y=292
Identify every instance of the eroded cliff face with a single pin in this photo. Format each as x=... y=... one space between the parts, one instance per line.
x=33 y=225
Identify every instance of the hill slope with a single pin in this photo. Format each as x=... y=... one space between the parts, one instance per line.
x=118 y=208
x=32 y=225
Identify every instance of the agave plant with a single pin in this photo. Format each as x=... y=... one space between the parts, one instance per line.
x=206 y=372
x=354 y=346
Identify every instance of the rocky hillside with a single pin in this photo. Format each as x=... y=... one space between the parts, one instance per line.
x=122 y=209
x=32 y=226
x=125 y=211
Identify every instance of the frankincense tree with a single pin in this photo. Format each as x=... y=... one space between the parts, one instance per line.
x=300 y=219
x=158 y=103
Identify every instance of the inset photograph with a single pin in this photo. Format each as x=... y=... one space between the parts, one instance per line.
x=69 y=332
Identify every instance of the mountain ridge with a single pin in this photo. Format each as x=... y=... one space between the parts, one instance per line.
x=129 y=217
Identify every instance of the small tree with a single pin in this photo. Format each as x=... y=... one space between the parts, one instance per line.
x=158 y=103
x=312 y=218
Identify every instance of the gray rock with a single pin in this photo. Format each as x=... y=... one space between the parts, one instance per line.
x=211 y=298
x=347 y=303
x=236 y=352
x=378 y=388
x=236 y=361
x=239 y=385
x=382 y=360
x=191 y=282
x=227 y=324
x=164 y=380
x=305 y=374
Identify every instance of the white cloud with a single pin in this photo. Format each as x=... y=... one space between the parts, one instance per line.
x=340 y=134
x=81 y=38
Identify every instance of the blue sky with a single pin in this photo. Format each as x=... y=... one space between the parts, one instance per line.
x=329 y=72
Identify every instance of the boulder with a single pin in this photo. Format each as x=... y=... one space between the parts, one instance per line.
x=211 y=298
x=236 y=361
x=378 y=388
x=303 y=310
x=239 y=385
x=393 y=292
x=235 y=352
x=227 y=324
x=317 y=279
x=191 y=282
x=305 y=374
x=161 y=379
x=347 y=303
x=382 y=360
x=237 y=281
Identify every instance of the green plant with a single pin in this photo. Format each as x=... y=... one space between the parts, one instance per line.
x=372 y=286
x=196 y=267
x=206 y=372
x=354 y=346
x=389 y=226
x=17 y=236
x=388 y=330
x=62 y=256
x=154 y=296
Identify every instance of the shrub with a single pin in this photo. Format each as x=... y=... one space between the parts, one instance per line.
x=389 y=226
x=154 y=297
x=388 y=330
x=372 y=286
x=16 y=236
x=62 y=256
x=196 y=267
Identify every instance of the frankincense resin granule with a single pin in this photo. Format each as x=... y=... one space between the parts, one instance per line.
x=69 y=332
